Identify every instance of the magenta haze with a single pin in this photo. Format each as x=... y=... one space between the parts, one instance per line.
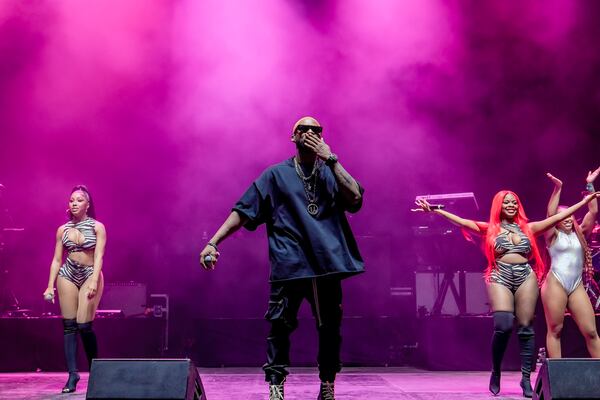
x=168 y=111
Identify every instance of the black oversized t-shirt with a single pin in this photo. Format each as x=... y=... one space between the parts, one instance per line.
x=302 y=245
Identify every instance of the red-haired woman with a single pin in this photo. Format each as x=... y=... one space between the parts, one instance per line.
x=79 y=279
x=509 y=245
x=571 y=264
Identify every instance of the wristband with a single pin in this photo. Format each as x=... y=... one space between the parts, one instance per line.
x=214 y=246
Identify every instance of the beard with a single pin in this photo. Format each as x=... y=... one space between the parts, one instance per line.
x=301 y=146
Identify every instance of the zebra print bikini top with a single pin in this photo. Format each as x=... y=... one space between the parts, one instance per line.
x=505 y=245
x=86 y=228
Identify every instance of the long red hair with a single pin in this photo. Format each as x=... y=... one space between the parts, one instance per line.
x=493 y=229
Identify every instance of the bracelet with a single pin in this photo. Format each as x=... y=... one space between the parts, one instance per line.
x=590 y=187
x=214 y=246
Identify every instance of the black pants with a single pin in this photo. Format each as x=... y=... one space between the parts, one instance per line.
x=325 y=298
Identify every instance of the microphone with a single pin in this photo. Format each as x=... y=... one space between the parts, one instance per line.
x=431 y=207
x=209 y=260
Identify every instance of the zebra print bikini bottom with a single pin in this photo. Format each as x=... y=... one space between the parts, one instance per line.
x=75 y=272
x=510 y=276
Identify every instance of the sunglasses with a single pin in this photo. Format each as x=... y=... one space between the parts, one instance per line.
x=306 y=128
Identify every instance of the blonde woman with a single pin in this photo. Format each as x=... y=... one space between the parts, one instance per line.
x=570 y=266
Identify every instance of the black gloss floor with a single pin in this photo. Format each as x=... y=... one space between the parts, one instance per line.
x=303 y=383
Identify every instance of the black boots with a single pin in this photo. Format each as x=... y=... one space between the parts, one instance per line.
x=503 y=324
x=526 y=386
x=527 y=344
x=495 y=383
x=90 y=344
x=70 y=341
x=71 y=384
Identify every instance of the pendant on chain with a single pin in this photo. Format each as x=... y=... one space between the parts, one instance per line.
x=313 y=209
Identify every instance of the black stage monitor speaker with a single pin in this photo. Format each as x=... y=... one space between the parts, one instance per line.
x=568 y=378
x=119 y=378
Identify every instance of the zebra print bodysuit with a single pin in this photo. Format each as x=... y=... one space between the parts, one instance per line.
x=72 y=270
x=511 y=275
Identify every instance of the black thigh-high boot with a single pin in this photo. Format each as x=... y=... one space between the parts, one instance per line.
x=527 y=344
x=503 y=324
x=90 y=344
x=70 y=341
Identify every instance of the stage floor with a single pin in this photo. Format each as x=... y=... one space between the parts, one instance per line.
x=302 y=384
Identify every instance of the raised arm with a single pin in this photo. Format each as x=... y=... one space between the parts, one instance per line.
x=347 y=184
x=234 y=222
x=477 y=227
x=542 y=226
x=349 y=188
x=589 y=220
x=55 y=265
x=553 y=206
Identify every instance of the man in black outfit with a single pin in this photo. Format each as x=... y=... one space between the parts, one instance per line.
x=302 y=201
